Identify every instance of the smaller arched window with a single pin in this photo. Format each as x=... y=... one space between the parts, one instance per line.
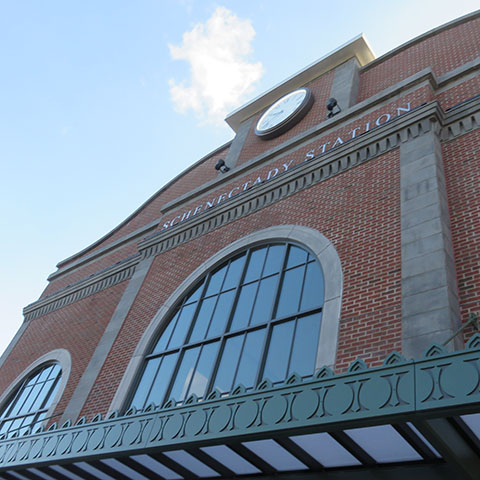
x=256 y=316
x=29 y=404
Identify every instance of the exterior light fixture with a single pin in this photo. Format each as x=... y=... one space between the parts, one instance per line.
x=221 y=166
x=332 y=107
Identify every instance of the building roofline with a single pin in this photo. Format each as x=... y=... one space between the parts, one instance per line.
x=357 y=47
x=420 y=38
x=142 y=206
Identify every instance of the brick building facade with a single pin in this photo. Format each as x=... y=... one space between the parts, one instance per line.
x=381 y=198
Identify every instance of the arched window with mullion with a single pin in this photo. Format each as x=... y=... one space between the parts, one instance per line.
x=27 y=407
x=255 y=316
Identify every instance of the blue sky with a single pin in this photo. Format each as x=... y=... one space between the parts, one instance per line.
x=103 y=102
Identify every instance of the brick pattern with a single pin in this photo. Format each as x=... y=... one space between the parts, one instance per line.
x=459 y=93
x=76 y=328
x=462 y=171
x=442 y=52
x=349 y=210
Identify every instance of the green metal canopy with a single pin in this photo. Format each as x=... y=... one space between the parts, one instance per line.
x=416 y=418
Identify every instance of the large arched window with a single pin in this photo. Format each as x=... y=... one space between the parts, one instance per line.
x=29 y=404
x=256 y=316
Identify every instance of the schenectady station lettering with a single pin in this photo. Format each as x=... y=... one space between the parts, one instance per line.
x=316 y=151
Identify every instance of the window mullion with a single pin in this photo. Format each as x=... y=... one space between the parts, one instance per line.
x=303 y=286
x=266 y=345
x=248 y=255
x=195 y=313
x=268 y=333
x=292 y=341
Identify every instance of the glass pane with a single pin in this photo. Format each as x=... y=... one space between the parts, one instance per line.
x=162 y=379
x=26 y=424
x=44 y=374
x=27 y=406
x=313 y=290
x=255 y=264
x=305 y=345
x=51 y=394
x=203 y=371
x=250 y=361
x=33 y=380
x=143 y=388
x=15 y=425
x=38 y=421
x=162 y=343
x=290 y=292
x=5 y=426
x=215 y=282
x=296 y=256
x=19 y=401
x=195 y=295
x=244 y=306
x=234 y=272
x=45 y=390
x=279 y=352
x=264 y=303
x=203 y=319
x=183 y=324
x=56 y=370
x=184 y=374
x=274 y=260
x=228 y=363
x=222 y=312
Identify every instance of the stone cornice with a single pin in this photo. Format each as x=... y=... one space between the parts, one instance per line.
x=424 y=36
x=357 y=48
x=111 y=247
x=303 y=175
x=424 y=77
x=324 y=128
x=93 y=284
x=454 y=123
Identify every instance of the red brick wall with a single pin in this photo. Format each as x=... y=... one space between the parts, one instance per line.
x=442 y=52
x=359 y=211
x=77 y=328
x=462 y=170
x=459 y=93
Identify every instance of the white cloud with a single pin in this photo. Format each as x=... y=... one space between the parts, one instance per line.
x=221 y=75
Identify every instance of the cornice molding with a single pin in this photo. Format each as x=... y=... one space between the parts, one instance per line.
x=452 y=124
x=306 y=174
x=84 y=288
x=324 y=128
x=107 y=249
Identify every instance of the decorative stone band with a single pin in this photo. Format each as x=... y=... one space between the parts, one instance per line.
x=452 y=124
x=306 y=174
x=82 y=289
x=435 y=386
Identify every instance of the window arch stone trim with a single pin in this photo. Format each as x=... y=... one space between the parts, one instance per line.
x=61 y=357
x=312 y=239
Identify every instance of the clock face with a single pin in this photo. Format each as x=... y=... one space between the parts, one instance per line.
x=284 y=113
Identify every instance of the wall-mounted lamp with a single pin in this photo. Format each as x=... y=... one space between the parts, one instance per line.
x=221 y=166
x=333 y=108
